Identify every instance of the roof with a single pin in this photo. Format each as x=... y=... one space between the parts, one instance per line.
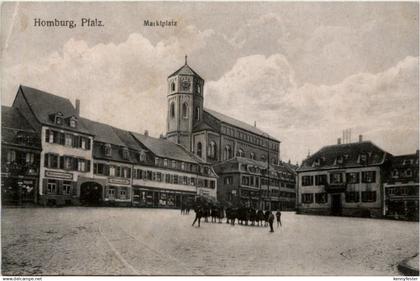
x=234 y=122
x=350 y=152
x=185 y=70
x=166 y=149
x=103 y=132
x=43 y=104
x=127 y=138
x=13 y=123
x=404 y=161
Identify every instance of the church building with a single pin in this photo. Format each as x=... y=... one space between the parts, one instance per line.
x=212 y=136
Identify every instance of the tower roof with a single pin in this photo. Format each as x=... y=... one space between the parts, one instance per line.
x=185 y=70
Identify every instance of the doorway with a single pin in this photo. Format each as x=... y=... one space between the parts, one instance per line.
x=336 y=204
x=91 y=194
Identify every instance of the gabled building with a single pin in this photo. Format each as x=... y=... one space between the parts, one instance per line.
x=20 y=151
x=402 y=187
x=343 y=179
x=246 y=182
x=66 y=144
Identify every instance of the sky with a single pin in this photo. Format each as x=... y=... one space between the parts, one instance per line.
x=303 y=71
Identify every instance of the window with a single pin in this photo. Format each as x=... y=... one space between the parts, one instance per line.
x=362 y=158
x=83 y=143
x=58 y=120
x=395 y=173
x=245 y=180
x=81 y=165
x=125 y=153
x=352 y=177
x=198 y=89
x=123 y=194
x=173 y=86
x=227 y=180
x=175 y=179
x=197 y=113
x=107 y=149
x=142 y=156
x=51 y=161
x=184 y=180
x=172 y=109
x=307 y=180
x=307 y=198
x=321 y=198
x=68 y=140
x=67 y=163
x=320 y=179
x=369 y=177
x=252 y=155
x=368 y=196
x=111 y=193
x=227 y=153
x=73 y=122
x=29 y=158
x=11 y=156
x=112 y=171
x=263 y=158
x=185 y=110
x=240 y=153
x=199 y=149
x=67 y=187
x=336 y=178
x=156 y=161
x=212 y=184
x=52 y=186
x=352 y=197
x=173 y=164
x=165 y=162
x=339 y=160
x=408 y=173
x=126 y=172
x=212 y=150
x=168 y=178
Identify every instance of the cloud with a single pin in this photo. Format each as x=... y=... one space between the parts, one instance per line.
x=380 y=105
x=120 y=84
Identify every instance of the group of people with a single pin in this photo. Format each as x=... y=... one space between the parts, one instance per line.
x=243 y=215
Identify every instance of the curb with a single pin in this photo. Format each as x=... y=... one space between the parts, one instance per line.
x=406 y=269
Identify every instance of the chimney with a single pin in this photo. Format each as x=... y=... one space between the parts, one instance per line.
x=360 y=138
x=339 y=141
x=146 y=133
x=77 y=107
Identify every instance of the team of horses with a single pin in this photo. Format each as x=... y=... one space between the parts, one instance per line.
x=243 y=215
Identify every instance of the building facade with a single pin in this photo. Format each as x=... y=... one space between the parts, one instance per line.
x=246 y=182
x=86 y=162
x=20 y=150
x=402 y=188
x=343 y=179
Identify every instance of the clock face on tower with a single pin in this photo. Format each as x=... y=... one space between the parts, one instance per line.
x=185 y=84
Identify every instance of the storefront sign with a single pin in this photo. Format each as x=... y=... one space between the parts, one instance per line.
x=53 y=174
x=119 y=181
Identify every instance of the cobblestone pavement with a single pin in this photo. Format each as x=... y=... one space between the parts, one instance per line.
x=129 y=241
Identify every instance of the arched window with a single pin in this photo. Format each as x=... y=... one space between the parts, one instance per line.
x=173 y=86
x=172 y=110
x=197 y=113
x=212 y=150
x=240 y=153
x=185 y=110
x=227 y=153
x=199 y=149
x=252 y=155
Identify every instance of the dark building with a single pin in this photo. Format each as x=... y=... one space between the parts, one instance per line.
x=344 y=179
x=246 y=182
x=402 y=188
x=20 y=150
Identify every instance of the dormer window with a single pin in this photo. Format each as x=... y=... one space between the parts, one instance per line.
x=395 y=173
x=107 y=149
x=125 y=153
x=142 y=156
x=73 y=122
x=362 y=158
x=165 y=162
x=316 y=163
x=339 y=160
x=408 y=173
x=59 y=118
x=198 y=89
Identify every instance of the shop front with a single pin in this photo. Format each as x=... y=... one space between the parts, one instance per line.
x=160 y=198
x=18 y=190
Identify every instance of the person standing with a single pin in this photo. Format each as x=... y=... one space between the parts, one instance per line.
x=271 y=221
x=278 y=217
x=198 y=214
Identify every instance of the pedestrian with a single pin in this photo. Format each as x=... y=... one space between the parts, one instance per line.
x=278 y=217
x=198 y=214
x=271 y=221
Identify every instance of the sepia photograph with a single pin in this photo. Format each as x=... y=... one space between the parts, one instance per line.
x=198 y=138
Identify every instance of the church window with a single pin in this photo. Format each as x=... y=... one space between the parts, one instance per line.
x=227 y=153
x=197 y=113
x=173 y=86
x=199 y=149
x=212 y=150
x=185 y=110
x=172 y=110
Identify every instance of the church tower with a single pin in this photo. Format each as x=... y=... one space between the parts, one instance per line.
x=185 y=104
